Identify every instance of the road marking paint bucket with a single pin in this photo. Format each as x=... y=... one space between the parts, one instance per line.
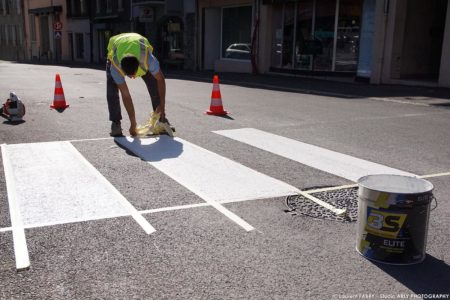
x=393 y=215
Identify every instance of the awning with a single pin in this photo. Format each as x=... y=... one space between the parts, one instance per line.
x=45 y=10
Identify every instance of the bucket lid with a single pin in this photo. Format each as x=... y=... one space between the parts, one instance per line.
x=398 y=184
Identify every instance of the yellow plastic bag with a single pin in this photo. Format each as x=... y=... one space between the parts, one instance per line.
x=154 y=127
x=149 y=126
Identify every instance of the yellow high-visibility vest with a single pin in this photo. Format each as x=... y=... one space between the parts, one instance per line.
x=129 y=44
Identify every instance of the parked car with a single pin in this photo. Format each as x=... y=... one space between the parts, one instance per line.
x=238 y=51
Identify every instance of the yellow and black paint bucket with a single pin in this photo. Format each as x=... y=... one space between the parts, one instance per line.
x=393 y=215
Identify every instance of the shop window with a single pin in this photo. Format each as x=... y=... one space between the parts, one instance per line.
x=288 y=35
x=306 y=47
x=277 y=35
x=236 y=32
x=174 y=41
x=324 y=33
x=316 y=35
x=348 y=32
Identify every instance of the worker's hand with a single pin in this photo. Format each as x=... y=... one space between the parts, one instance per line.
x=133 y=130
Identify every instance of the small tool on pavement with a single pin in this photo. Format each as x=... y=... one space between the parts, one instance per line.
x=13 y=109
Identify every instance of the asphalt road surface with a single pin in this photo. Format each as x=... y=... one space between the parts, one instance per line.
x=204 y=215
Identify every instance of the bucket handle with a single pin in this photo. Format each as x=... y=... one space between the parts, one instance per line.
x=435 y=201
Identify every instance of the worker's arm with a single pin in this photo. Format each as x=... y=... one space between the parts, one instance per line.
x=128 y=103
x=161 y=82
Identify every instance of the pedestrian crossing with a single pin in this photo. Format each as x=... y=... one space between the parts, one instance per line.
x=52 y=183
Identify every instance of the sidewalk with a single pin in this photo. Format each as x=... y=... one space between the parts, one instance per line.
x=333 y=87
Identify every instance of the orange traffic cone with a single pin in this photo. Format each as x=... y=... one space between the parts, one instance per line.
x=59 y=101
x=216 y=107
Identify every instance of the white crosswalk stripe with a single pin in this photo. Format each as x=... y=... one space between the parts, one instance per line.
x=19 y=239
x=332 y=162
x=212 y=177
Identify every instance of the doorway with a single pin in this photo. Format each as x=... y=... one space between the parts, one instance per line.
x=45 y=38
x=170 y=33
x=423 y=38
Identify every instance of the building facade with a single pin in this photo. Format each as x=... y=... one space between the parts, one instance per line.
x=384 y=41
x=79 y=30
x=107 y=18
x=379 y=41
x=11 y=30
x=44 y=42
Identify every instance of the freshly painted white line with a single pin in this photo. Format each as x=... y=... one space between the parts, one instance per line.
x=336 y=163
x=232 y=216
x=212 y=177
x=6 y=229
x=19 y=239
x=435 y=175
x=332 y=188
x=70 y=141
x=55 y=184
x=89 y=140
x=63 y=222
x=398 y=101
x=171 y=208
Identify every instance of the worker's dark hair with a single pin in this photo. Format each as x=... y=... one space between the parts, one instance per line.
x=129 y=65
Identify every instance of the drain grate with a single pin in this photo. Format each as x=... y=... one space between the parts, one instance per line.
x=343 y=198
